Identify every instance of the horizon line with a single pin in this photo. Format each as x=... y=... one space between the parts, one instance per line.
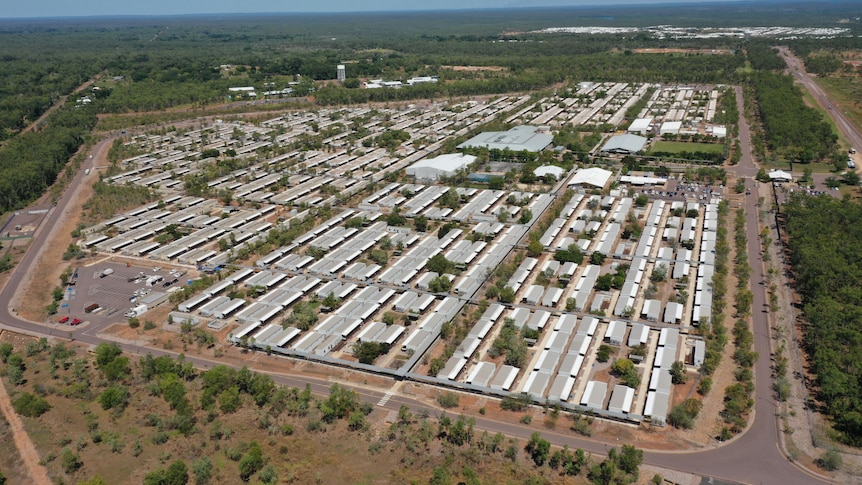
x=590 y=6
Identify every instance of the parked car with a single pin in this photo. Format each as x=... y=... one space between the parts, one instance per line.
x=76 y=321
x=64 y=319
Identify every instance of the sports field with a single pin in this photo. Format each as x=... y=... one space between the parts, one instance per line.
x=682 y=146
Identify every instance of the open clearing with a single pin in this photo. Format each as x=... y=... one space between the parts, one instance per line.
x=682 y=146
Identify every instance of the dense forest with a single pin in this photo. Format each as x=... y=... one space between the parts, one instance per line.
x=30 y=162
x=823 y=233
x=792 y=130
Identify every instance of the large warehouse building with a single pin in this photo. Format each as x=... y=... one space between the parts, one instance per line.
x=519 y=138
x=433 y=169
x=591 y=178
x=625 y=144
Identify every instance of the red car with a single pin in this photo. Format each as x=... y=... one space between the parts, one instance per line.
x=76 y=321
x=64 y=319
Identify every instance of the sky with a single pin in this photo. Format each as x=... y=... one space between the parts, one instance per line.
x=86 y=8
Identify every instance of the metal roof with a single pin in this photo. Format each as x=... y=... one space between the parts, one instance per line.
x=627 y=143
x=517 y=139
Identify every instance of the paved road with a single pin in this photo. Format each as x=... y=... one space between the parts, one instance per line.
x=797 y=68
x=751 y=458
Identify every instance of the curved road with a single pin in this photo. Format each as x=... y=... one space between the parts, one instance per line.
x=753 y=457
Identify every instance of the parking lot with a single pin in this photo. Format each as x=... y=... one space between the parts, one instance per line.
x=113 y=293
x=679 y=190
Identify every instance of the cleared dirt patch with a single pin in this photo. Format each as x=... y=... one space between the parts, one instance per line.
x=680 y=51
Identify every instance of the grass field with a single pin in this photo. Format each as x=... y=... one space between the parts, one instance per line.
x=682 y=146
x=844 y=92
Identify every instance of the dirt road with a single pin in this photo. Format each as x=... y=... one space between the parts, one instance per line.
x=36 y=472
x=54 y=107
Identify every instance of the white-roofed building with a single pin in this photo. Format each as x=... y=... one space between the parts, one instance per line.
x=670 y=128
x=550 y=170
x=640 y=126
x=718 y=131
x=780 y=176
x=593 y=177
x=519 y=138
x=443 y=166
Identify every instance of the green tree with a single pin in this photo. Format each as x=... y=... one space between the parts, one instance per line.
x=630 y=459
x=439 y=264
x=115 y=397
x=230 y=400
x=367 y=352
x=15 y=369
x=597 y=258
x=30 y=405
x=395 y=218
x=704 y=386
x=507 y=294
x=535 y=248
x=5 y=351
x=176 y=474
x=677 y=373
x=659 y=273
x=538 y=448
x=622 y=366
x=109 y=360
x=603 y=354
x=440 y=284
x=173 y=390
x=203 y=470
x=339 y=404
x=251 y=462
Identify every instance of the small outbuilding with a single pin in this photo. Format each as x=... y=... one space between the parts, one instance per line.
x=780 y=176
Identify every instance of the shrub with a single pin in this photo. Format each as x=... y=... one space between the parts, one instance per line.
x=230 y=400
x=448 y=399
x=704 y=386
x=160 y=438
x=604 y=353
x=70 y=461
x=830 y=460
x=684 y=414
x=516 y=402
x=115 y=397
x=251 y=462
x=30 y=405
x=677 y=373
